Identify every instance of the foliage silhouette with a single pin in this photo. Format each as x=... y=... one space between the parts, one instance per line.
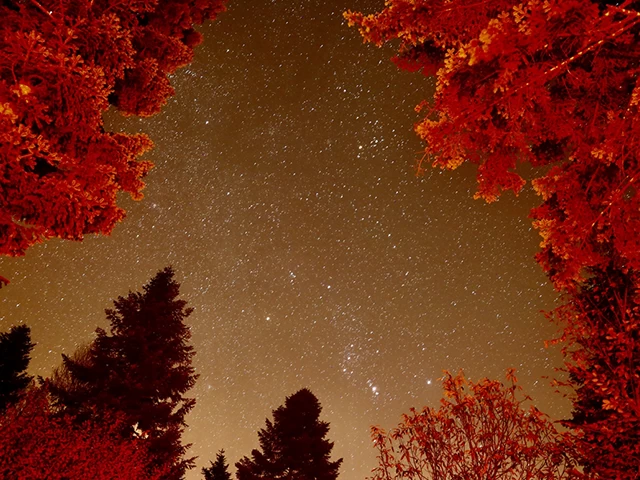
x=15 y=350
x=218 y=470
x=293 y=446
x=140 y=370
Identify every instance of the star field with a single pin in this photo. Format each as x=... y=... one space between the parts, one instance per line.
x=284 y=196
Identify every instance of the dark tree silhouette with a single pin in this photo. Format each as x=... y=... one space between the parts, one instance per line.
x=293 y=446
x=141 y=369
x=15 y=348
x=218 y=470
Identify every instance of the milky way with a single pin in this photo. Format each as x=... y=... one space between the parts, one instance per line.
x=285 y=197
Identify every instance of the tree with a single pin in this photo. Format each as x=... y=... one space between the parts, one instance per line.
x=481 y=431
x=217 y=470
x=37 y=442
x=15 y=348
x=553 y=84
x=293 y=446
x=141 y=370
x=602 y=346
x=62 y=65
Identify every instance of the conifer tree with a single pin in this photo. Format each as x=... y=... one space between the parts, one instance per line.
x=140 y=369
x=15 y=347
x=218 y=470
x=293 y=446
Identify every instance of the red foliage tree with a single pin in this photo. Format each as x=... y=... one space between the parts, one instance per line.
x=548 y=83
x=481 y=431
x=36 y=442
x=554 y=84
x=62 y=65
x=603 y=351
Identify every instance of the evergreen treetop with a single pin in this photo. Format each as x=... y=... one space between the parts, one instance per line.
x=293 y=446
x=141 y=369
x=15 y=348
x=217 y=470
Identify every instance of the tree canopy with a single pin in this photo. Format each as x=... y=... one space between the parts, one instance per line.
x=552 y=84
x=63 y=65
x=37 y=441
x=218 y=470
x=481 y=431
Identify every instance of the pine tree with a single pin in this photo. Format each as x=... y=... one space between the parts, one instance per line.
x=140 y=369
x=217 y=470
x=15 y=347
x=293 y=446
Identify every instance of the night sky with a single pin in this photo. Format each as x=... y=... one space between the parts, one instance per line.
x=285 y=197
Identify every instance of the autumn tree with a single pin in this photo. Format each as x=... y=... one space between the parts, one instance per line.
x=218 y=470
x=15 y=350
x=604 y=360
x=293 y=446
x=481 y=431
x=63 y=64
x=141 y=369
x=38 y=442
x=553 y=84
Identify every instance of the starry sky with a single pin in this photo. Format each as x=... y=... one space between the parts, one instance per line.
x=285 y=197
